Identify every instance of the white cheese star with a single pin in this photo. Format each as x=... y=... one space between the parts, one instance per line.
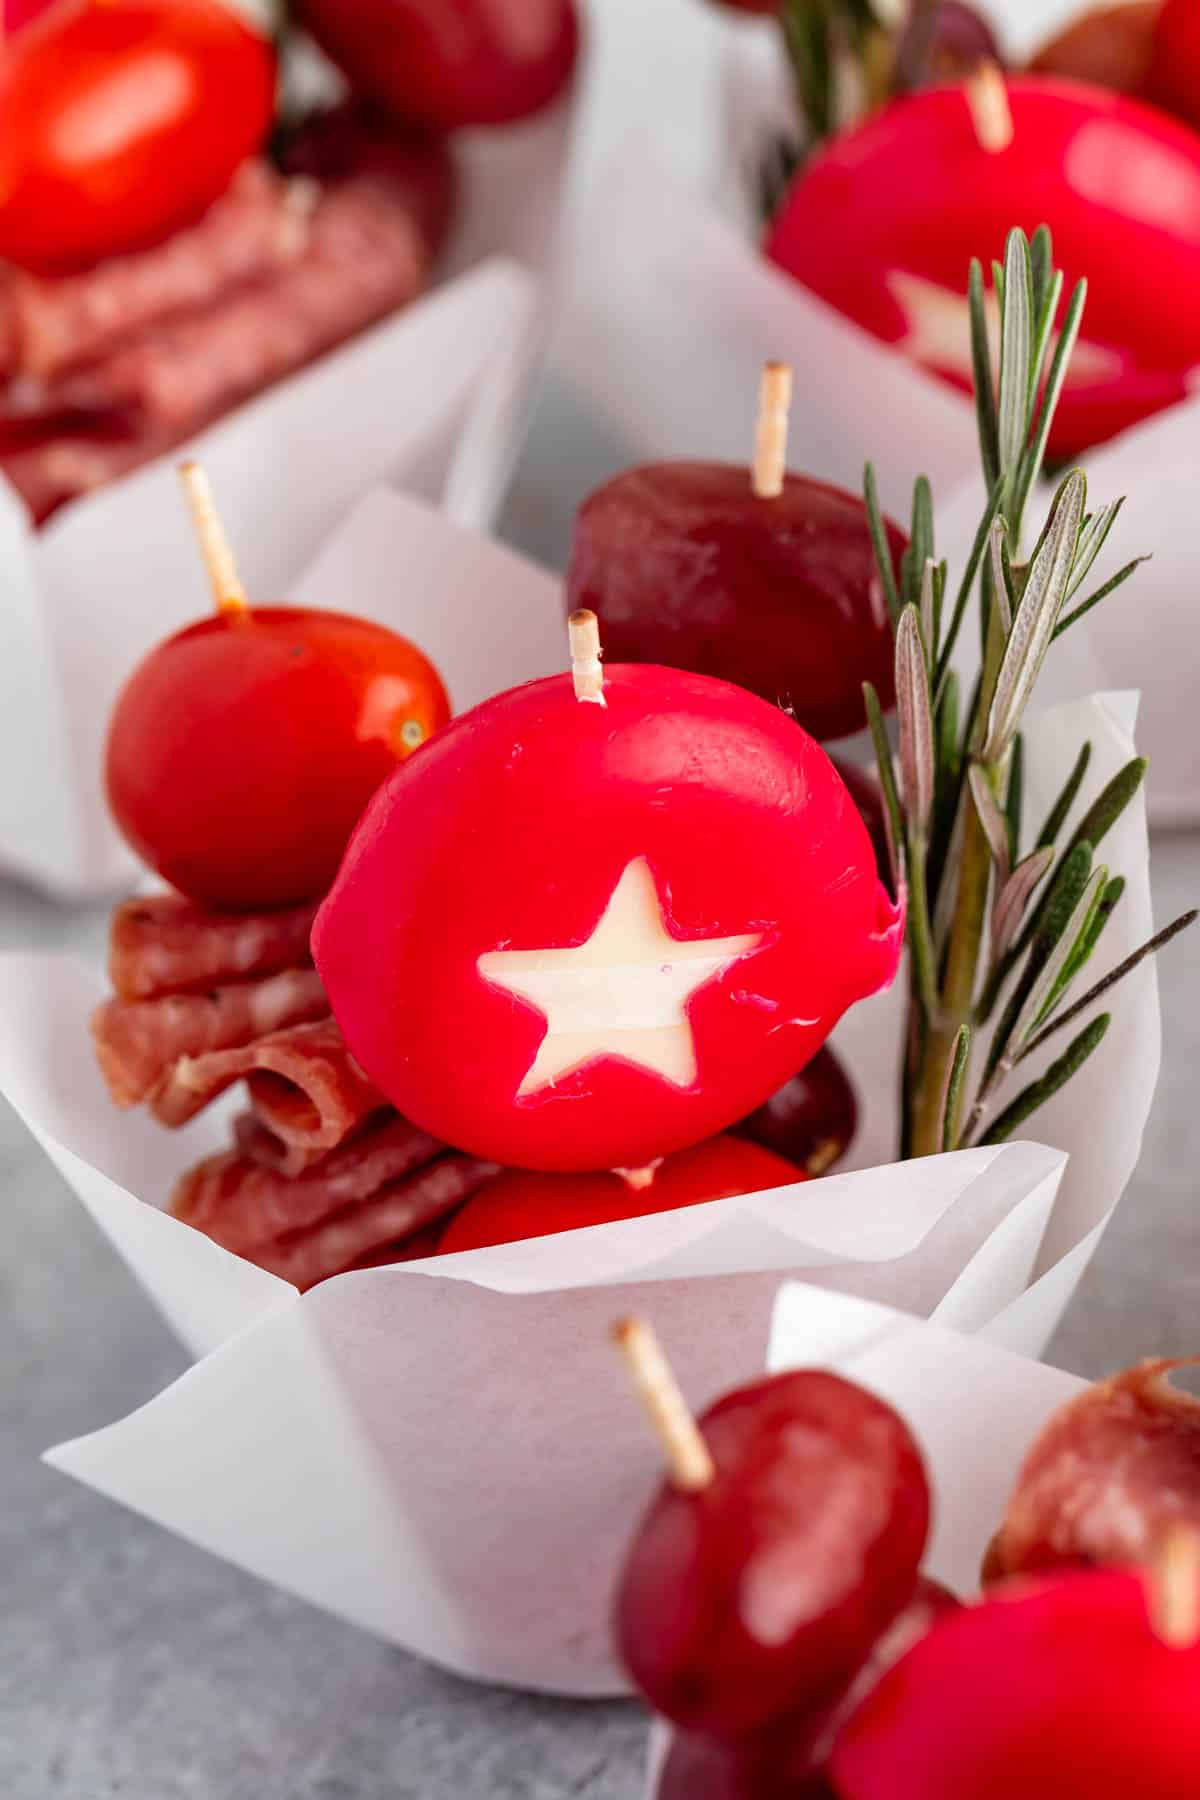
x=939 y=332
x=623 y=993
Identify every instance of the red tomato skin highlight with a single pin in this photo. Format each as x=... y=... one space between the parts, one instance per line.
x=1117 y=182
x=1054 y=1690
x=512 y=831
x=122 y=121
x=520 y=1203
x=244 y=748
x=446 y=64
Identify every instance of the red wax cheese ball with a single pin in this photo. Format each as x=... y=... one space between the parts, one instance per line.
x=243 y=749
x=884 y=221
x=124 y=119
x=572 y=936
x=454 y=63
x=522 y=1203
x=1053 y=1691
x=684 y=564
x=760 y=1596
x=811 y=1119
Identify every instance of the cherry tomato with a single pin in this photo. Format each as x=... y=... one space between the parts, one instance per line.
x=1174 y=79
x=453 y=62
x=668 y=901
x=684 y=564
x=1112 y=46
x=760 y=1596
x=883 y=221
x=811 y=1119
x=1055 y=1690
x=244 y=748
x=124 y=119
x=520 y=1204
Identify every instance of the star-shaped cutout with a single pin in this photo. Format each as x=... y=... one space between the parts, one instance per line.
x=623 y=993
x=939 y=331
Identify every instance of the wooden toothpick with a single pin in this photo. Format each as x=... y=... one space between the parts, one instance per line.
x=771 y=433
x=228 y=591
x=687 y=1454
x=991 y=114
x=641 y=1178
x=583 y=634
x=1175 y=1588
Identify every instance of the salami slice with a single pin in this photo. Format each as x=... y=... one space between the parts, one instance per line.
x=364 y=257
x=1111 y=1473
x=140 y=1042
x=386 y=1220
x=243 y=1204
x=165 y=944
x=303 y=1083
x=259 y=226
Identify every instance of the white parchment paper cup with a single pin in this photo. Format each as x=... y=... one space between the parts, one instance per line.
x=445 y=1453
x=433 y=399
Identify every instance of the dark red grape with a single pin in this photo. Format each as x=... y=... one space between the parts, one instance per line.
x=453 y=62
x=760 y=1595
x=812 y=1118
x=784 y=1761
x=684 y=564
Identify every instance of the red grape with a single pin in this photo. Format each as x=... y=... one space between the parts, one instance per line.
x=785 y=1761
x=453 y=62
x=685 y=565
x=761 y=1594
x=811 y=1119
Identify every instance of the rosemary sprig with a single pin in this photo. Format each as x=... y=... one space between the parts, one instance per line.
x=988 y=922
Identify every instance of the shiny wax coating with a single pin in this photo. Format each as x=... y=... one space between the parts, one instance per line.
x=572 y=935
x=882 y=223
x=1059 y=1690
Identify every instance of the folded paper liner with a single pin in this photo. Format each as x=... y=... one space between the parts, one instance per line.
x=433 y=399
x=664 y=277
x=446 y=1453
